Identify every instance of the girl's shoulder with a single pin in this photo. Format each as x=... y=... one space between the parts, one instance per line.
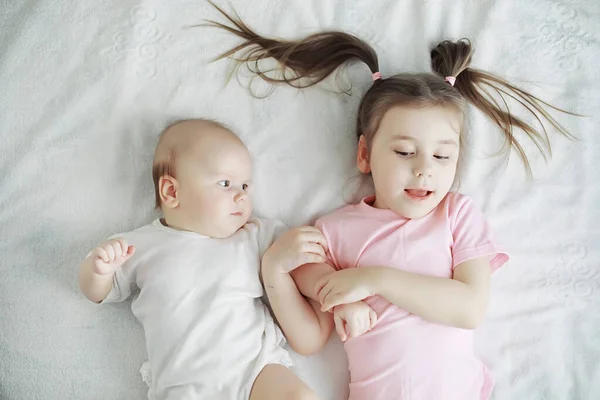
x=457 y=199
x=342 y=214
x=455 y=204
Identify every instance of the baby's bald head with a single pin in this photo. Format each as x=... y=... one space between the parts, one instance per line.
x=197 y=137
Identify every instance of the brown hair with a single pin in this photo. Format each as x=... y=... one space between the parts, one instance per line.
x=312 y=59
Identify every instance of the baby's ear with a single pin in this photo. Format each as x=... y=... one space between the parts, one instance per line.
x=362 y=156
x=168 y=189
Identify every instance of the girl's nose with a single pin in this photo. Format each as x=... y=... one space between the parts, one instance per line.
x=423 y=168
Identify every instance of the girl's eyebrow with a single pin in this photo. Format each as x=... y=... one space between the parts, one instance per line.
x=410 y=138
x=402 y=137
x=448 y=141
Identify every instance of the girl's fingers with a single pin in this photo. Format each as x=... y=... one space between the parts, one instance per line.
x=330 y=301
x=323 y=296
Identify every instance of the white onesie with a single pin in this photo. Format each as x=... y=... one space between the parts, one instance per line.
x=208 y=334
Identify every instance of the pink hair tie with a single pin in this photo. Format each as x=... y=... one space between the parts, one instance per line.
x=376 y=75
x=450 y=79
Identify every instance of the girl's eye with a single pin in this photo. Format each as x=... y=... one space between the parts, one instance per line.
x=441 y=157
x=403 y=153
x=244 y=187
x=225 y=183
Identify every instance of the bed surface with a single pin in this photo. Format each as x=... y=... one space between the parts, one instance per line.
x=85 y=88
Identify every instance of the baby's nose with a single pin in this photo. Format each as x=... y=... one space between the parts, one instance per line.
x=239 y=196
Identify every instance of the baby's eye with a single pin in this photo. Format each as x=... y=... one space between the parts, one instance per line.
x=441 y=157
x=225 y=183
x=245 y=186
x=404 y=153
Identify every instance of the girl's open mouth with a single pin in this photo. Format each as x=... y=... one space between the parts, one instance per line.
x=418 y=194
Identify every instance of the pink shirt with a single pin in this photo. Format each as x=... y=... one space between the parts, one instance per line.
x=406 y=357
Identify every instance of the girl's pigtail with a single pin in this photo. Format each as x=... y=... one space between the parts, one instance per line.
x=311 y=59
x=451 y=60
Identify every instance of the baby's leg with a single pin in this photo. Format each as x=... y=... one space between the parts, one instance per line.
x=276 y=382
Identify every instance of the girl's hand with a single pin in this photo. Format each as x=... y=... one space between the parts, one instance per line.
x=354 y=319
x=294 y=248
x=344 y=287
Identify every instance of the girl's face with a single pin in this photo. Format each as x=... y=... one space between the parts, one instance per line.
x=413 y=158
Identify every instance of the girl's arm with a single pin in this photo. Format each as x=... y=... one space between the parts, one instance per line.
x=307 y=278
x=460 y=302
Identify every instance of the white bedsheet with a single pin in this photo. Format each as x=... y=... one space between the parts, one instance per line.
x=85 y=87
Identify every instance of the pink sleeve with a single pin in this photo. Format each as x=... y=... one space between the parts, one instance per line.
x=330 y=238
x=471 y=235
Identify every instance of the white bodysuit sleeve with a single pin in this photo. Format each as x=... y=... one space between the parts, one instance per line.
x=124 y=279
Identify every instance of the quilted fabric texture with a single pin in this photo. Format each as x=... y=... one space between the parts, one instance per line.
x=85 y=88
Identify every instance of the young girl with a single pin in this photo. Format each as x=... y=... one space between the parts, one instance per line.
x=416 y=253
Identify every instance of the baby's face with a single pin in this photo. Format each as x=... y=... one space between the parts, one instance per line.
x=214 y=179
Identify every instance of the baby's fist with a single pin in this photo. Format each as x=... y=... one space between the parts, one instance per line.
x=110 y=255
x=354 y=319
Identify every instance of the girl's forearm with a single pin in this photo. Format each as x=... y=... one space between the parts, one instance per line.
x=441 y=300
x=307 y=276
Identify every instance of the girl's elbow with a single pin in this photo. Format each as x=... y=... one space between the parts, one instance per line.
x=472 y=319
x=469 y=323
x=474 y=314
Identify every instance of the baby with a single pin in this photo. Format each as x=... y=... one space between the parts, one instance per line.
x=197 y=269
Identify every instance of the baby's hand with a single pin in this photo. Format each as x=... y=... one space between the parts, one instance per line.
x=294 y=248
x=354 y=319
x=110 y=255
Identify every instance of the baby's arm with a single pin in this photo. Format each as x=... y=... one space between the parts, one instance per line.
x=97 y=270
x=306 y=327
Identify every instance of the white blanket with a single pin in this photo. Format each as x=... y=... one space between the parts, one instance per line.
x=85 y=88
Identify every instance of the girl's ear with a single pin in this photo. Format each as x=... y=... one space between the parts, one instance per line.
x=167 y=189
x=362 y=156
